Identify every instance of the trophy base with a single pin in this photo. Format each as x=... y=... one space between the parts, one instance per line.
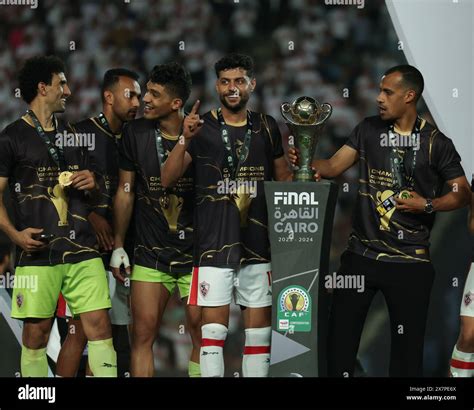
x=300 y=222
x=304 y=176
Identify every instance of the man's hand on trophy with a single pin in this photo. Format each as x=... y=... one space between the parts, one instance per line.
x=293 y=156
x=317 y=175
x=192 y=123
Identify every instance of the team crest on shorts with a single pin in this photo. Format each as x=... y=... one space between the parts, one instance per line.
x=204 y=288
x=468 y=297
x=19 y=300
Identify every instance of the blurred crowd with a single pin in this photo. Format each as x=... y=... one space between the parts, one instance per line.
x=335 y=54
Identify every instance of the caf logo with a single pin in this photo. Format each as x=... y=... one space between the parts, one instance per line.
x=294 y=300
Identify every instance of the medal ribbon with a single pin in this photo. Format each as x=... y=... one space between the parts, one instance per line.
x=161 y=154
x=105 y=124
x=56 y=152
x=400 y=176
x=230 y=157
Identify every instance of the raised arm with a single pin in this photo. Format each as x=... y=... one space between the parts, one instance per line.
x=179 y=159
x=341 y=161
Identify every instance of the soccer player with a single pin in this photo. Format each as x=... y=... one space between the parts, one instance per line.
x=235 y=151
x=163 y=217
x=404 y=163
x=48 y=174
x=462 y=360
x=120 y=101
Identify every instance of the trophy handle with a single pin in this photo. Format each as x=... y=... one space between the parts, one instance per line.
x=284 y=109
x=326 y=111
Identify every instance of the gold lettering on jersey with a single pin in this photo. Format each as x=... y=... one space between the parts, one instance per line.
x=242 y=200
x=172 y=210
x=60 y=201
x=51 y=173
x=385 y=219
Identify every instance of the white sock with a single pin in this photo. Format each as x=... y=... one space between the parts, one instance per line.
x=256 y=359
x=462 y=364
x=212 y=344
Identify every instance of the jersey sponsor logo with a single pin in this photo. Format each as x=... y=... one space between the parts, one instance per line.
x=295 y=198
x=204 y=288
x=468 y=297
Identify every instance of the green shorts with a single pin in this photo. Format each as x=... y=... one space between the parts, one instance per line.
x=83 y=285
x=169 y=280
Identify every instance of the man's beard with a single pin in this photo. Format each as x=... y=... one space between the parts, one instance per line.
x=59 y=110
x=125 y=117
x=235 y=108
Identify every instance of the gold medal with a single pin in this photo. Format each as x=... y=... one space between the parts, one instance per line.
x=405 y=194
x=164 y=201
x=65 y=178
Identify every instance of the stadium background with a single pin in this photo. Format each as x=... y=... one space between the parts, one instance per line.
x=336 y=54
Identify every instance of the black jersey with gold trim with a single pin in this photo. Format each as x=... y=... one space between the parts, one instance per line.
x=104 y=158
x=38 y=199
x=163 y=229
x=397 y=236
x=231 y=218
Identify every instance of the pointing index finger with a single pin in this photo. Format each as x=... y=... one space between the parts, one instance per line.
x=195 y=108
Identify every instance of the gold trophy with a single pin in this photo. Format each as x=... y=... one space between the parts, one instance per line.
x=305 y=118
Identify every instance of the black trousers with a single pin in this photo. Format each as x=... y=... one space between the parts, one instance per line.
x=406 y=288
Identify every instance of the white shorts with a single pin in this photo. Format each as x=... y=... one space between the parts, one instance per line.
x=251 y=286
x=467 y=303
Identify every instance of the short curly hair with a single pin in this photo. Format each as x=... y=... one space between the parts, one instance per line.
x=174 y=77
x=36 y=70
x=235 y=60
